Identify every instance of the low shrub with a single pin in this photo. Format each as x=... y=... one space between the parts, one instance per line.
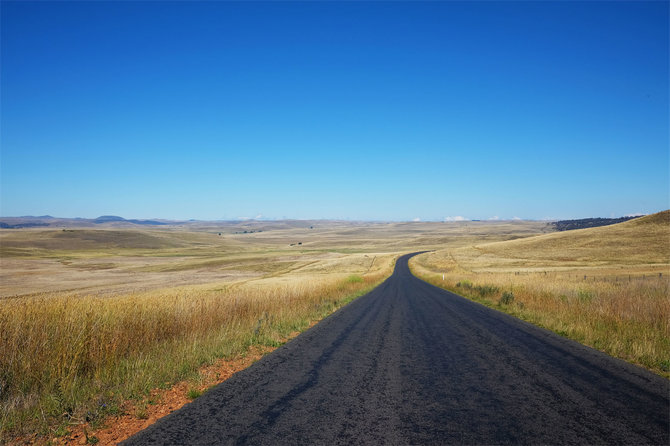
x=486 y=290
x=506 y=298
x=464 y=284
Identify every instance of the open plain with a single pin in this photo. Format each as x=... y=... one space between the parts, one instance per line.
x=95 y=315
x=109 y=259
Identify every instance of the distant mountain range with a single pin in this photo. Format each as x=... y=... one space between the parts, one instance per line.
x=114 y=218
x=4 y=225
x=48 y=220
x=116 y=221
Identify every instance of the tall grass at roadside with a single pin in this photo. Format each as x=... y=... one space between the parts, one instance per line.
x=67 y=359
x=624 y=316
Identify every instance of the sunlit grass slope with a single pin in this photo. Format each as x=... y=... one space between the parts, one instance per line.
x=606 y=287
x=644 y=240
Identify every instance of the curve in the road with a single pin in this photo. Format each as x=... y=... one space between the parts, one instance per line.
x=410 y=363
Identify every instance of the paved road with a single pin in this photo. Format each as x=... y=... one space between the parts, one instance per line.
x=412 y=364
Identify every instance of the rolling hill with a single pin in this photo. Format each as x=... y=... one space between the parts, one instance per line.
x=641 y=240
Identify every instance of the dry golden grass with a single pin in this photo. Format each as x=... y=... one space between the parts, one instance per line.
x=637 y=242
x=115 y=261
x=606 y=287
x=70 y=358
x=90 y=316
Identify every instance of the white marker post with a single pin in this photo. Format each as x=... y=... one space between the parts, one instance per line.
x=443 y=277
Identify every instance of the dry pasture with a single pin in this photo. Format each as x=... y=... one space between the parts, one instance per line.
x=92 y=316
x=606 y=287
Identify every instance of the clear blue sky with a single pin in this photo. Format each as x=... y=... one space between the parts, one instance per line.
x=376 y=110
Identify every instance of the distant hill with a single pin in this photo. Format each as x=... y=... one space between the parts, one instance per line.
x=49 y=221
x=87 y=239
x=25 y=222
x=640 y=240
x=4 y=225
x=108 y=218
x=114 y=219
x=567 y=225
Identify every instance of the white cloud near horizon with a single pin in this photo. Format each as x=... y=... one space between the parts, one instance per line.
x=456 y=218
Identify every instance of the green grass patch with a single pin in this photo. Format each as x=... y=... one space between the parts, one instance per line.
x=193 y=393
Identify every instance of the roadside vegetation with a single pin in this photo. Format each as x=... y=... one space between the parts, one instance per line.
x=68 y=359
x=605 y=287
x=92 y=317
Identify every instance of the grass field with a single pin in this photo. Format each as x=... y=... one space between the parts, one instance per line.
x=606 y=287
x=90 y=316
x=112 y=261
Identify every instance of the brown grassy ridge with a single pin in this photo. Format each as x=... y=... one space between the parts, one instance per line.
x=68 y=359
x=605 y=287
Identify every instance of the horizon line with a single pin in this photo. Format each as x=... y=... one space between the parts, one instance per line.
x=457 y=219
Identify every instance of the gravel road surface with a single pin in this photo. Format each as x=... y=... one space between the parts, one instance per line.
x=410 y=363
